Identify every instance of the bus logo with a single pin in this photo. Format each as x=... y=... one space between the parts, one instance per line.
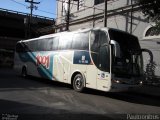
x=43 y=60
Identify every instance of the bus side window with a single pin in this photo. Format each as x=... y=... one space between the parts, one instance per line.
x=95 y=47
x=41 y=45
x=55 y=43
x=65 y=41
x=80 y=41
x=19 y=48
x=49 y=44
x=95 y=44
x=22 y=47
x=103 y=59
x=31 y=46
x=98 y=38
x=25 y=44
x=76 y=43
x=100 y=50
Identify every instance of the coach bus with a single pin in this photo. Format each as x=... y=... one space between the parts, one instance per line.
x=105 y=59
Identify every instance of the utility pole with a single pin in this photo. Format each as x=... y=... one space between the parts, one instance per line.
x=131 y=17
x=105 y=13
x=93 y=17
x=68 y=15
x=31 y=13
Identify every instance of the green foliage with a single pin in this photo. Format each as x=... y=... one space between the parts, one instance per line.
x=158 y=24
x=151 y=9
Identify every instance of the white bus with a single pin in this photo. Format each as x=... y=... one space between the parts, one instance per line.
x=105 y=59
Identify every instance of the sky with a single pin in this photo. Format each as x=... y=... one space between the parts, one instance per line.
x=46 y=8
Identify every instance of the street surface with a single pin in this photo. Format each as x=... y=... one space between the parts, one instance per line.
x=40 y=99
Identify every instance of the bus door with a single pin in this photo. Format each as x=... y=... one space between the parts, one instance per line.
x=103 y=71
x=100 y=53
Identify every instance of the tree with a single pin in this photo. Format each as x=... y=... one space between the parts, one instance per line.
x=151 y=9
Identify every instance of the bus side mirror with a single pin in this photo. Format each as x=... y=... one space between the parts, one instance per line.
x=116 y=48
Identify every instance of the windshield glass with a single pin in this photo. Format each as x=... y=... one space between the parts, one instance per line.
x=130 y=61
x=100 y=50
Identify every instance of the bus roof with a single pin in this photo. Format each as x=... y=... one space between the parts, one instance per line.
x=71 y=32
x=57 y=34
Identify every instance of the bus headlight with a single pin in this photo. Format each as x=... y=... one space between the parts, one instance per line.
x=141 y=82
x=116 y=81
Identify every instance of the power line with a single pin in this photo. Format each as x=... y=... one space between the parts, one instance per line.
x=32 y=6
x=19 y=3
x=41 y=1
x=37 y=8
x=68 y=14
x=46 y=12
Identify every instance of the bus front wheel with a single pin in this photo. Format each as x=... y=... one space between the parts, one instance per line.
x=78 y=83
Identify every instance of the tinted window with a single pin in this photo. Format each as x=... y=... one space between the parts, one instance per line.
x=104 y=58
x=22 y=47
x=46 y=44
x=24 y=44
x=80 y=41
x=125 y=40
x=98 y=38
x=49 y=44
x=41 y=45
x=65 y=41
x=98 y=2
x=55 y=43
x=19 y=47
x=100 y=50
x=33 y=45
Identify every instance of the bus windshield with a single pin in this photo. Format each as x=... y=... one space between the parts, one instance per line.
x=100 y=50
x=130 y=61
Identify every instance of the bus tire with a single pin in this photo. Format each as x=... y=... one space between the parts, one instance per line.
x=78 y=83
x=24 y=72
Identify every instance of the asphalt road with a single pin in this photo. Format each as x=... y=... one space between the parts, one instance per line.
x=40 y=99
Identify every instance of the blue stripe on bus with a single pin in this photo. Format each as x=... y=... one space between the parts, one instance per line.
x=42 y=70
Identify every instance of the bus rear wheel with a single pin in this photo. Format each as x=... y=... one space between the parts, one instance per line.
x=78 y=83
x=24 y=72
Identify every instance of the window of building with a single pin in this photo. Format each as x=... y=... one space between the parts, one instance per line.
x=152 y=31
x=80 y=4
x=98 y=2
x=64 y=7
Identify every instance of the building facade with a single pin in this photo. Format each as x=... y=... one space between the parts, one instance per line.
x=14 y=26
x=121 y=14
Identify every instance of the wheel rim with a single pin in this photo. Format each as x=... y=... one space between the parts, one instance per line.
x=78 y=83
